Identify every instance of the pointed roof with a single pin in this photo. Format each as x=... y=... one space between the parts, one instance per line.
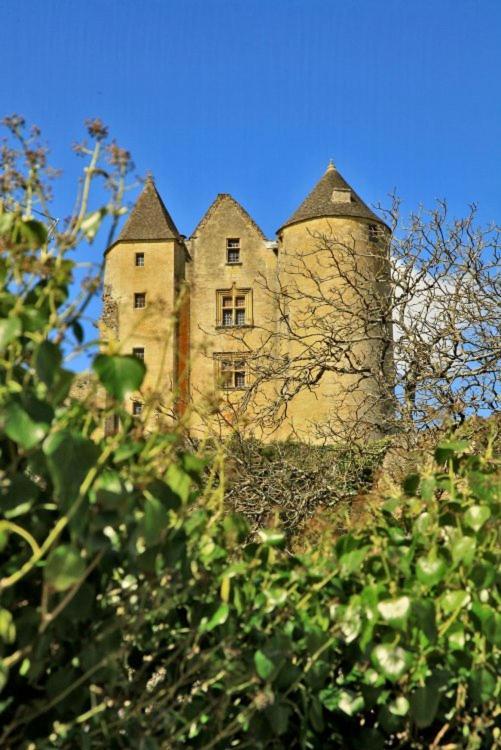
x=149 y=219
x=226 y=198
x=331 y=196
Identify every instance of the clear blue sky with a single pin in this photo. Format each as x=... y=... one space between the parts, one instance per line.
x=252 y=97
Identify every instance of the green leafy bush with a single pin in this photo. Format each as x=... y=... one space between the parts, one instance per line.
x=134 y=613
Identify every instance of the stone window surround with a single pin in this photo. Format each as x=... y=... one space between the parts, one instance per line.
x=231 y=370
x=234 y=293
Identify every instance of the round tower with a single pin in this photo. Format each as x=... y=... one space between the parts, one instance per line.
x=336 y=334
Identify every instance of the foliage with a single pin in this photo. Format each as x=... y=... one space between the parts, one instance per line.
x=391 y=640
x=135 y=613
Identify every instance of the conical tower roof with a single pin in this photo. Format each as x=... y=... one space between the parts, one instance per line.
x=149 y=219
x=331 y=196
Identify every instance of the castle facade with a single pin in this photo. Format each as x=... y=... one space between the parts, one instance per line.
x=241 y=331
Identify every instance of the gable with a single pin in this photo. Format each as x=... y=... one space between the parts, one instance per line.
x=223 y=210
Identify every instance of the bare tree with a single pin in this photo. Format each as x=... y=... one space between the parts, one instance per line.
x=407 y=324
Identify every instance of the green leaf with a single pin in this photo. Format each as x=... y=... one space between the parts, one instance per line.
x=427 y=488
x=10 y=328
x=271 y=537
x=423 y=616
x=349 y=703
x=399 y=707
x=264 y=665
x=482 y=685
x=64 y=567
x=69 y=458
x=454 y=600
x=456 y=637
x=424 y=705
x=490 y=622
x=47 y=360
x=329 y=697
x=7 y=627
x=463 y=550
x=476 y=516
x=155 y=520
x=392 y=661
x=351 y=562
x=218 y=618
x=446 y=451
x=19 y=496
x=4 y=675
x=34 y=232
x=395 y=611
x=424 y=523
x=120 y=375
x=430 y=570
x=410 y=484
x=278 y=716
x=21 y=428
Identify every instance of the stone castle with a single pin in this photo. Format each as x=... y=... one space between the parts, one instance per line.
x=223 y=318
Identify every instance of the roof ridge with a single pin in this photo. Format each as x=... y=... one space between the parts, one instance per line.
x=220 y=197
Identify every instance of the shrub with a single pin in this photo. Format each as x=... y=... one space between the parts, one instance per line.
x=134 y=613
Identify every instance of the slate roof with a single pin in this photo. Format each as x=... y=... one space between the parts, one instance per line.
x=149 y=219
x=319 y=202
x=226 y=198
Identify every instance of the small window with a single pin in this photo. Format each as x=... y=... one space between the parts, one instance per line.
x=138 y=351
x=231 y=371
x=373 y=233
x=139 y=300
x=233 y=251
x=137 y=408
x=234 y=308
x=140 y=259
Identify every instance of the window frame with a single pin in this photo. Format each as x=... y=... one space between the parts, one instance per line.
x=136 y=350
x=137 y=408
x=231 y=249
x=233 y=358
x=222 y=295
x=139 y=256
x=138 y=295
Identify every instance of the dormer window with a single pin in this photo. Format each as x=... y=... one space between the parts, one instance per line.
x=233 y=251
x=341 y=195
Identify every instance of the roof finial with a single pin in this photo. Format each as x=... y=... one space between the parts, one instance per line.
x=330 y=166
x=149 y=176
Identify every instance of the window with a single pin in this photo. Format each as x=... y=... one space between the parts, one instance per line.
x=373 y=233
x=234 y=308
x=138 y=351
x=233 y=251
x=140 y=259
x=137 y=408
x=231 y=371
x=139 y=300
